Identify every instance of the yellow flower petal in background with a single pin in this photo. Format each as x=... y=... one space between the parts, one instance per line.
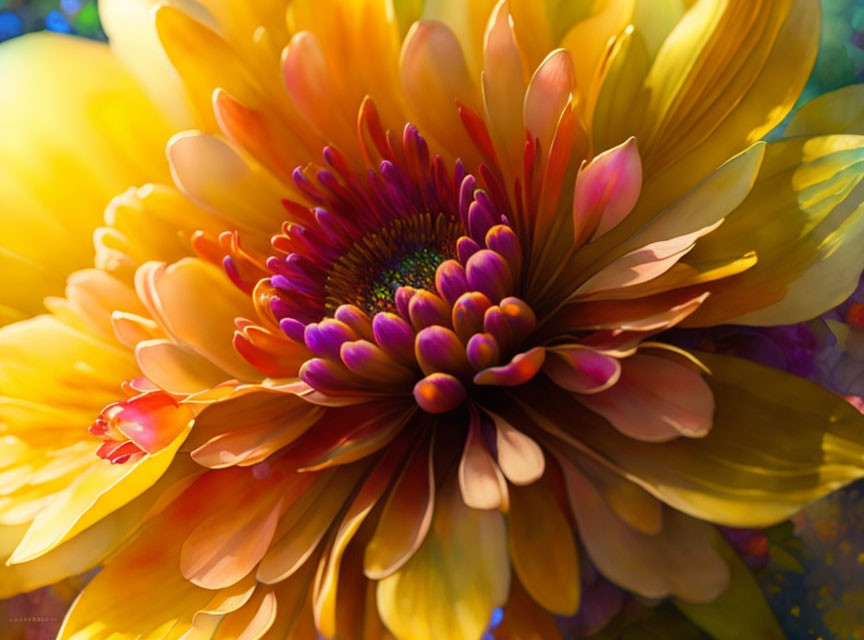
x=131 y=31
x=83 y=132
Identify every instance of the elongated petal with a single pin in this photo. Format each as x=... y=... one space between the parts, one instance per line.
x=804 y=220
x=417 y=601
x=606 y=191
x=838 y=111
x=480 y=480
x=405 y=520
x=679 y=560
x=97 y=493
x=543 y=549
x=548 y=93
x=777 y=442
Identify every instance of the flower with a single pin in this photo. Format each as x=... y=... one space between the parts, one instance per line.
x=383 y=347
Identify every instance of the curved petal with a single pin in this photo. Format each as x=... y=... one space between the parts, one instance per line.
x=777 y=443
x=543 y=549
x=59 y=173
x=804 y=219
x=840 y=111
x=417 y=601
x=655 y=400
x=101 y=490
x=131 y=32
x=679 y=560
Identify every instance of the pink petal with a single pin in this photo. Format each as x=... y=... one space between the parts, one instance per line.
x=519 y=370
x=656 y=400
x=606 y=191
x=581 y=370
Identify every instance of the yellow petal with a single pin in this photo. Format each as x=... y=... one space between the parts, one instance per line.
x=450 y=586
x=504 y=87
x=90 y=547
x=214 y=175
x=132 y=35
x=777 y=443
x=204 y=61
x=804 y=221
x=149 y=606
x=434 y=77
x=101 y=490
x=407 y=515
x=152 y=222
x=468 y=21
x=588 y=39
x=60 y=171
x=48 y=363
x=543 y=549
x=840 y=111
x=717 y=85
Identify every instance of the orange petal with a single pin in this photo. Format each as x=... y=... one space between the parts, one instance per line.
x=543 y=549
x=406 y=516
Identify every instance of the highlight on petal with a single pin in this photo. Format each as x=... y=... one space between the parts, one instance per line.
x=543 y=549
x=607 y=189
x=61 y=172
x=104 y=488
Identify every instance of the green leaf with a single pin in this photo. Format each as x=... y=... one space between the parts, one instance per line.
x=742 y=612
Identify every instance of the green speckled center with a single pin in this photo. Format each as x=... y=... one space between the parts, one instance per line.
x=406 y=253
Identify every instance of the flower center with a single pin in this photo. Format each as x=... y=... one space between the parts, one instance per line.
x=405 y=253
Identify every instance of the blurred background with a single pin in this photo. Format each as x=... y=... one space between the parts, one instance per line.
x=811 y=569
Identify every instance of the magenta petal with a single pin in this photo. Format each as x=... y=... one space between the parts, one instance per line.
x=519 y=370
x=439 y=393
x=426 y=309
x=496 y=324
x=581 y=370
x=483 y=351
x=394 y=335
x=439 y=349
x=468 y=312
x=327 y=376
x=355 y=318
x=325 y=338
x=481 y=216
x=490 y=274
x=520 y=316
x=450 y=280
x=502 y=240
x=293 y=328
x=403 y=299
x=371 y=363
x=465 y=248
